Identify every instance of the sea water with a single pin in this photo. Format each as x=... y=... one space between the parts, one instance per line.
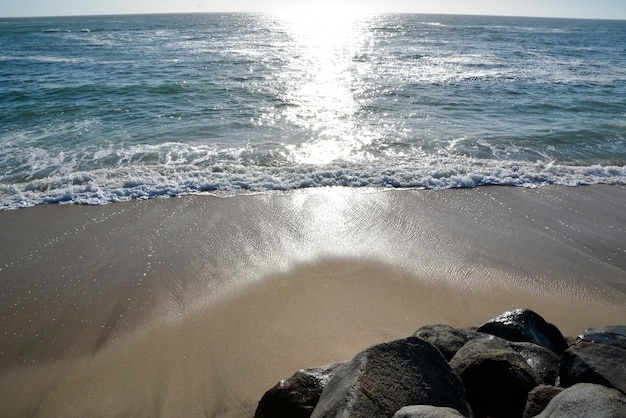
x=107 y=108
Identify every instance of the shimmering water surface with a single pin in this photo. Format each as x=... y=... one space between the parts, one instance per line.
x=101 y=109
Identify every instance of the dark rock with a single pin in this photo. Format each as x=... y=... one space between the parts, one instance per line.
x=538 y=399
x=544 y=362
x=383 y=378
x=611 y=335
x=446 y=338
x=297 y=396
x=594 y=363
x=497 y=379
x=586 y=400
x=524 y=325
x=449 y=340
x=427 y=411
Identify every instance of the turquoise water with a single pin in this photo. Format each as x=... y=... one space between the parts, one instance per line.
x=101 y=109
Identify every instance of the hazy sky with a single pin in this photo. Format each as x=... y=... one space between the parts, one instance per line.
x=613 y=9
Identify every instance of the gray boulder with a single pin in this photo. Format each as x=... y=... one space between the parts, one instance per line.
x=594 y=363
x=497 y=379
x=383 y=378
x=427 y=411
x=586 y=400
x=611 y=335
x=539 y=398
x=524 y=325
x=297 y=396
x=446 y=338
x=544 y=362
x=449 y=340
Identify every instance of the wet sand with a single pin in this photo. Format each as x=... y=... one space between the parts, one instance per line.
x=194 y=306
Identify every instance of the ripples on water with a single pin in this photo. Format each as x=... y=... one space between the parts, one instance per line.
x=98 y=109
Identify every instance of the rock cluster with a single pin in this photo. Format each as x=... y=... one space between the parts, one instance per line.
x=515 y=365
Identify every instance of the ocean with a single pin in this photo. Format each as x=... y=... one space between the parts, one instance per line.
x=102 y=109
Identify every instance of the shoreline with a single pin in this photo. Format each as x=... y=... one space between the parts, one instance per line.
x=198 y=304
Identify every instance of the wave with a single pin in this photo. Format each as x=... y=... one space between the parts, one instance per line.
x=105 y=186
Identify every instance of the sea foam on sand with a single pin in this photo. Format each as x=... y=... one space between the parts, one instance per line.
x=196 y=305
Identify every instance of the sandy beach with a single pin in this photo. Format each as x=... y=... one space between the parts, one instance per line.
x=194 y=306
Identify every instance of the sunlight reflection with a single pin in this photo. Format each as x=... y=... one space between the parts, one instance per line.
x=323 y=83
x=320 y=25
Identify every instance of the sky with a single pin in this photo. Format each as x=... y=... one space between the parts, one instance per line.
x=593 y=9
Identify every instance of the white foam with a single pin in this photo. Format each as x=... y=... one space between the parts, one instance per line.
x=124 y=182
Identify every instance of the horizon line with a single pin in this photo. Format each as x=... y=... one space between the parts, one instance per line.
x=365 y=12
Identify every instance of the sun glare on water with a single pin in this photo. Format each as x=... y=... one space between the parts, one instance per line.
x=323 y=79
x=321 y=23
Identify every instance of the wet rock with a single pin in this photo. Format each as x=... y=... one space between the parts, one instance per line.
x=383 y=378
x=497 y=379
x=594 y=363
x=427 y=411
x=612 y=335
x=524 y=325
x=539 y=398
x=544 y=362
x=446 y=338
x=297 y=396
x=449 y=340
x=586 y=400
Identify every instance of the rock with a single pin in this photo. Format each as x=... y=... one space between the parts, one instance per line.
x=449 y=340
x=524 y=325
x=538 y=399
x=427 y=411
x=497 y=379
x=586 y=400
x=544 y=362
x=611 y=335
x=297 y=396
x=594 y=363
x=446 y=338
x=383 y=378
